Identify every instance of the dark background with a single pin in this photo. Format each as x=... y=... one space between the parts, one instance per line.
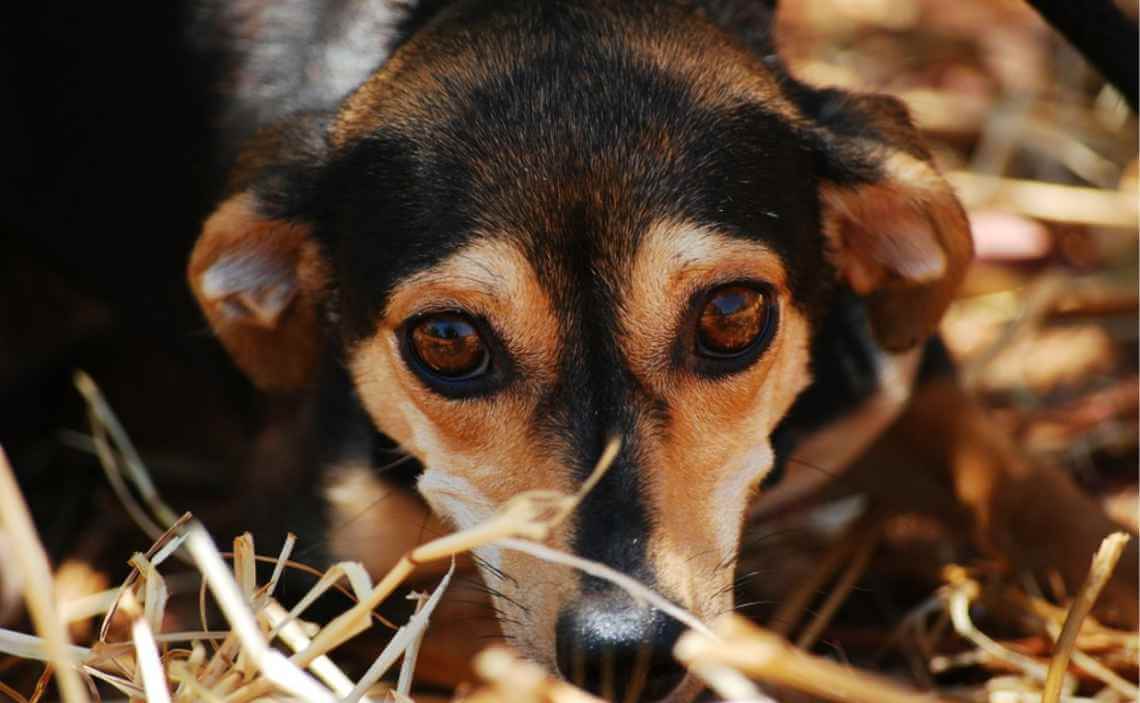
x=108 y=170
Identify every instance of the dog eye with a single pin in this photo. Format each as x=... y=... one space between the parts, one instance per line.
x=449 y=346
x=733 y=320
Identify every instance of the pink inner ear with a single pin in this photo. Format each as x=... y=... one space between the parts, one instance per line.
x=245 y=267
x=903 y=244
x=250 y=287
x=257 y=280
x=907 y=245
x=883 y=232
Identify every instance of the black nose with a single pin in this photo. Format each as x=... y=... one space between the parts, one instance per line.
x=614 y=648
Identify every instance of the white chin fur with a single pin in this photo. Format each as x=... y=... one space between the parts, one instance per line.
x=457 y=500
x=732 y=492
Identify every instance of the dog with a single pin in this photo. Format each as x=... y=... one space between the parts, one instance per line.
x=498 y=234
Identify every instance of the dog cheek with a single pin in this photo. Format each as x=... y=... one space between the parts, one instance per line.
x=732 y=493
x=459 y=502
x=694 y=547
x=372 y=520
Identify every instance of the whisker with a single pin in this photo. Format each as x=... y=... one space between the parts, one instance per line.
x=740 y=580
x=499 y=573
x=727 y=562
x=477 y=618
x=698 y=555
x=499 y=621
x=464 y=601
x=753 y=604
x=476 y=583
x=396 y=462
x=422 y=534
x=483 y=588
x=752 y=541
x=322 y=543
x=810 y=465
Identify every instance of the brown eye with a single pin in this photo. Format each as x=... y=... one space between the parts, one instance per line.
x=733 y=319
x=450 y=346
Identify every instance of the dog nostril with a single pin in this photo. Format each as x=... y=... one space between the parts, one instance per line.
x=617 y=650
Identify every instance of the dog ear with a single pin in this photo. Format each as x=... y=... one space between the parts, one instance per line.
x=256 y=270
x=895 y=230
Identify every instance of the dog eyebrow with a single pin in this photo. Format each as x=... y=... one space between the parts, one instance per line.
x=466 y=269
x=678 y=250
x=489 y=285
x=486 y=274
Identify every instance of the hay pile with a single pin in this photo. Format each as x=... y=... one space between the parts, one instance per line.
x=268 y=652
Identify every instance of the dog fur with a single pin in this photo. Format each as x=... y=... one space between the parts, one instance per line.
x=575 y=179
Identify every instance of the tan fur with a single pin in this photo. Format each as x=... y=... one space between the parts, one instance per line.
x=703 y=467
x=477 y=453
x=273 y=337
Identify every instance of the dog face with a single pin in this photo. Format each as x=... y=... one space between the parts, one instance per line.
x=541 y=226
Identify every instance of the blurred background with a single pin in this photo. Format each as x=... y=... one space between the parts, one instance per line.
x=111 y=164
x=1043 y=155
x=1044 y=332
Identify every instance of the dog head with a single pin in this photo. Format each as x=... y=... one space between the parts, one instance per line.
x=539 y=226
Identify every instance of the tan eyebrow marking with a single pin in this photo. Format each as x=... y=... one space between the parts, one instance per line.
x=674 y=260
x=679 y=250
x=482 y=275
x=491 y=277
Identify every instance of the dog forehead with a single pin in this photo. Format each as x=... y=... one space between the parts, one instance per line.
x=569 y=130
x=469 y=45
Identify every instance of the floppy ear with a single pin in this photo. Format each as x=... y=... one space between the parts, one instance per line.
x=895 y=230
x=256 y=270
